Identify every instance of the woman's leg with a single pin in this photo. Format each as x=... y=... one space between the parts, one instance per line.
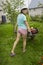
x=15 y=43
x=24 y=42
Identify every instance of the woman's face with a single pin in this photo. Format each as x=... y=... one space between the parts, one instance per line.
x=25 y=11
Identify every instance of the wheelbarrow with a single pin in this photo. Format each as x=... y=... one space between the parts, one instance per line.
x=34 y=31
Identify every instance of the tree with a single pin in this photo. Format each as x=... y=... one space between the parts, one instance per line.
x=10 y=7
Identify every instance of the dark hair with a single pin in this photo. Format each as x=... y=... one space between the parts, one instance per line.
x=23 y=9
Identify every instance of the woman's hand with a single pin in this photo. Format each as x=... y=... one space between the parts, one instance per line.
x=30 y=33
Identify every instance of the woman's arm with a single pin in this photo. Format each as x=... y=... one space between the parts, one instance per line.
x=28 y=27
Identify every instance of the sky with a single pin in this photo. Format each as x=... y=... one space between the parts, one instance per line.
x=27 y=2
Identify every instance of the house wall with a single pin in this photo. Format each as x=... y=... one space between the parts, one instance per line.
x=1 y=10
x=38 y=11
x=1 y=13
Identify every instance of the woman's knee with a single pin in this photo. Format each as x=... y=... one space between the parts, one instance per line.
x=24 y=36
x=17 y=39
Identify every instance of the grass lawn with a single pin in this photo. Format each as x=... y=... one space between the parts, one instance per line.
x=34 y=48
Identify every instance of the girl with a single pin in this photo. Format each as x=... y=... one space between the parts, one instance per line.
x=22 y=30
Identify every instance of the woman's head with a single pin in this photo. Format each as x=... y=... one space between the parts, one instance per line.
x=24 y=10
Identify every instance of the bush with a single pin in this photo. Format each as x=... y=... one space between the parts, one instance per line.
x=37 y=18
x=42 y=18
x=28 y=18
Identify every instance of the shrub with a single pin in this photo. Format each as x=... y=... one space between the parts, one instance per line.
x=28 y=18
x=37 y=18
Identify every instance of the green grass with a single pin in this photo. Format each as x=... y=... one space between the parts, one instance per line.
x=34 y=48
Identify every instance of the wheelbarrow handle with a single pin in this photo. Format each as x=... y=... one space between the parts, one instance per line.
x=30 y=33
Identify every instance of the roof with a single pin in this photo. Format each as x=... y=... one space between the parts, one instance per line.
x=35 y=4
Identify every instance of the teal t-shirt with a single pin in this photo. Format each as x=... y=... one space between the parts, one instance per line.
x=21 y=21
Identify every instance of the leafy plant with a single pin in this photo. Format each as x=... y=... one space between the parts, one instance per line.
x=10 y=8
x=37 y=18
